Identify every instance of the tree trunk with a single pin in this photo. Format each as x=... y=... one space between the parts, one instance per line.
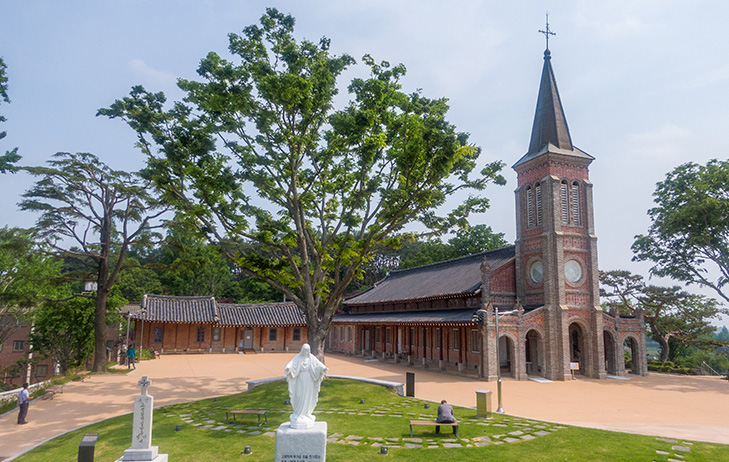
x=317 y=339
x=662 y=341
x=100 y=331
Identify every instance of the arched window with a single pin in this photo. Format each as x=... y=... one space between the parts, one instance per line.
x=530 y=206
x=563 y=197
x=538 y=194
x=575 y=203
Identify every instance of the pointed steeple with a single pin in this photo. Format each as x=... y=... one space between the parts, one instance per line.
x=549 y=131
x=550 y=124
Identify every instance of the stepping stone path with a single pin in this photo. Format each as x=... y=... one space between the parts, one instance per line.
x=676 y=451
x=513 y=429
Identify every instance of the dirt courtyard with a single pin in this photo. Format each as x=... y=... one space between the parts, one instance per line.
x=683 y=407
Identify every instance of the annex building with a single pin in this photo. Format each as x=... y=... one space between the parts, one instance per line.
x=543 y=290
x=169 y=324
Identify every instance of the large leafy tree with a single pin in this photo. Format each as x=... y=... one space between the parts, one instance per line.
x=91 y=215
x=466 y=241
x=689 y=238
x=195 y=267
x=64 y=329
x=10 y=157
x=25 y=275
x=672 y=314
x=300 y=194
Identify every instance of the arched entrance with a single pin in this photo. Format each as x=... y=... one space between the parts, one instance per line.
x=578 y=352
x=506 y=356
x=611 y=360
x=534 y=351
x=632 y=355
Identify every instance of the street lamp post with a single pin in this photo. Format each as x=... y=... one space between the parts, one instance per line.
x=126 y=345
x=141 y=335
x=500 y=409
x=483 y=313
x=129 y=321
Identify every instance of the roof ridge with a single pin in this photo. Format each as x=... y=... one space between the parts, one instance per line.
x=182 y=297
x=256 y=305
x=452 y=260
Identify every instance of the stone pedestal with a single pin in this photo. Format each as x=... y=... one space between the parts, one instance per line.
x=143 y=455
x=301 y=444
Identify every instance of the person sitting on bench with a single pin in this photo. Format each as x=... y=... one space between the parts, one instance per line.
x=445 y=413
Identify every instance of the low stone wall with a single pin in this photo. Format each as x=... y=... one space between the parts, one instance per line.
x=12 y=395
x=395 y=386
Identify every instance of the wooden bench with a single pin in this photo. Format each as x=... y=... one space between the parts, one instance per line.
x=51 y=391
x=437 y=425
x=249 y=411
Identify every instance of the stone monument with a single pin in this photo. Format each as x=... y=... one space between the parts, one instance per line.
x=303 y=439
x=142 y=449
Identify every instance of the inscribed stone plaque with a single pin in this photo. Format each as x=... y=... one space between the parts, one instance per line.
x=301 y=444
x=142 y=426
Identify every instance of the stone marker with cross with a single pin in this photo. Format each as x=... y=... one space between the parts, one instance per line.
x=142 y=449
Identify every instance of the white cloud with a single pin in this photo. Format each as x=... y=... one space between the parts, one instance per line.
x=149 y=76
x=613 y=19
x=665 y=142
x=719 y=74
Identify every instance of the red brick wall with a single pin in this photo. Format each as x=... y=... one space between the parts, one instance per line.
x=21 y=332
x=538 y=170
x=503 y=279
x=182 y=337
x=9 y=357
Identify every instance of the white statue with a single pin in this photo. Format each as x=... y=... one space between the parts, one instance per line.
x=304 y=374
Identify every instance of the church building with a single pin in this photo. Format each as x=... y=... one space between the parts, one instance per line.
x=540 y=295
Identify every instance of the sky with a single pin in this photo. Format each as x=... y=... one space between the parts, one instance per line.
x=644 y=85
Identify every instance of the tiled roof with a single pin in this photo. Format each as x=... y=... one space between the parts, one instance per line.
x=438 y=280
x=454 y=316
x=205 y=310
x=164 y=308
x=261 y=314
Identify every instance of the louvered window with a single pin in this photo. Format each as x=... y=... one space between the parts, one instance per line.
x=563 y=198
x=538 y=194
x=576 y=203
x=530 y=207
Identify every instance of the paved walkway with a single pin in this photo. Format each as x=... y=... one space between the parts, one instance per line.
x=659 y=404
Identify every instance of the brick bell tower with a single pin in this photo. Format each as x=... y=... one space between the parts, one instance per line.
x=556 y=246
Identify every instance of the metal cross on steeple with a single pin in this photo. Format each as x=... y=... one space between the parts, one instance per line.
x=547 y=32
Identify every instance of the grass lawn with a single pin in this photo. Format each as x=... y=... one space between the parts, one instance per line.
x=357 y=430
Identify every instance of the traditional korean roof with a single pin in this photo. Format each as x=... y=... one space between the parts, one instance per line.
x=453 y=316
x=205 y=310
x=165 y=308
x=446 y=279
x=261 y=314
